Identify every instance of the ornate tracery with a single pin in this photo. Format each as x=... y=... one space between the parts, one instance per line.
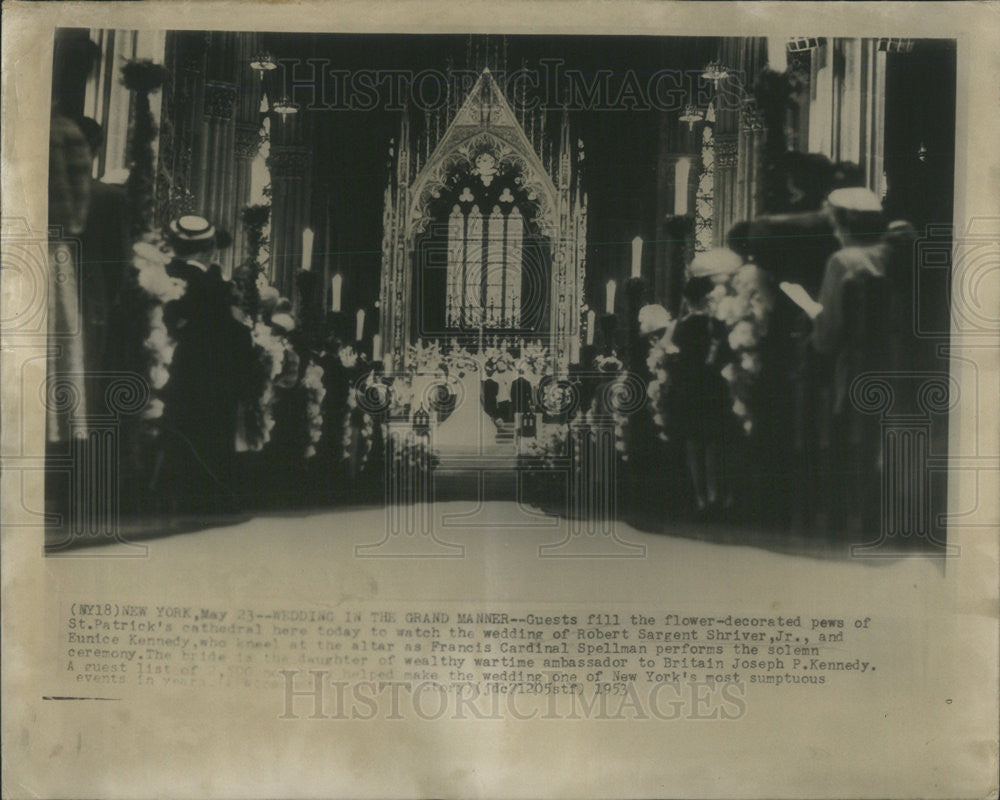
x=476 y=223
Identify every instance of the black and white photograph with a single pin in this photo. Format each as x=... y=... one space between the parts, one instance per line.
x=691 y=285
x=549 y=400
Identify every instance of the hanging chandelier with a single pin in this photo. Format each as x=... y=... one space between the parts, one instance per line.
x=691 y=115
x=715 y=72
x=285 y=106
x=263 y=62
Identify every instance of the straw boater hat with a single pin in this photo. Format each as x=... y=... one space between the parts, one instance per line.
x=192 y=229
x=716 y=262
x=652 y=319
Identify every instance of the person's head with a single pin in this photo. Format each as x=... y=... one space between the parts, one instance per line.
x=282 y=317
x=716 y=264
x=738 y=239
x=654 y=320
x=191 y=236
x=847 y=175
x=810 y=176
x=697 y=290
x=93 y=133
x=856 y=215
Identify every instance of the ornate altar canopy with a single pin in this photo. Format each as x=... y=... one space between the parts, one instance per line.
x=484 y=231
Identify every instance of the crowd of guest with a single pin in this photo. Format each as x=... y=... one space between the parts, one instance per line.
x=752 y=385
x=254 y=403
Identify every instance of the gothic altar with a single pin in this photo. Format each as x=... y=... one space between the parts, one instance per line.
x=484 y=233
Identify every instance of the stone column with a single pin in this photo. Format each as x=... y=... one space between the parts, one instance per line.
x=246 y=149
x=217 y=162
x=289 y=165
x=726 y=151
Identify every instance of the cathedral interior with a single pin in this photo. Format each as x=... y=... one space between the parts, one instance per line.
x=498 y=198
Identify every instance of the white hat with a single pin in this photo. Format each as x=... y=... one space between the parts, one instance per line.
x=653 y=318
x=855 y=199
x=284 y=321
x=192 y=228
x=717 y=261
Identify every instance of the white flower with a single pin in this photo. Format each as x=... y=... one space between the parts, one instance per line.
x=732 y=309
x=158 y=376
x=761 y=305
x=747 y=279
x=743 y=336
x=740 y=408
x=729 y=373
x=750 y=362
x=154 y=409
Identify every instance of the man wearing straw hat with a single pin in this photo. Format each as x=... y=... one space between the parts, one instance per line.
x=210 y=368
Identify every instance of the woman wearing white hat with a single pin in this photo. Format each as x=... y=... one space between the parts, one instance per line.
x=850 y=332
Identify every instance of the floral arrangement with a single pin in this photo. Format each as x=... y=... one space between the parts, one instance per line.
x=658 y=361
x=422 y=358
x=534 y=362
x=150 y=257
x=312 y=382
x=359 y=422
x=744 y=305
x=269 y=361
x=617 y=398
x=142 y=77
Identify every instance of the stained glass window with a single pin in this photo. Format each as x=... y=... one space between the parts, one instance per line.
x=484 y=268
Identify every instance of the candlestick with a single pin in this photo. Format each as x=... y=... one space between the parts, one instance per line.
x=359 y=330
x=636 y=257
x=609 y=305
x=307 y=249
x=376 y=348
x=591 y=324
x=336 y=283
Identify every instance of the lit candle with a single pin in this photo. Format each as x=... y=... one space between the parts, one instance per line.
x=359 y=330
x=609 y=303
x=591 y=324
x=376 y=347
x=682 y=174
x=636 y=257
x=307 y=249
x=337 y=283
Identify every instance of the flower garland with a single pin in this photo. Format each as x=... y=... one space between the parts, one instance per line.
x=150 y=257
x=312 y=382
x=745 y=308
x=269 y=361
x=658 y=361
x=359 y=423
